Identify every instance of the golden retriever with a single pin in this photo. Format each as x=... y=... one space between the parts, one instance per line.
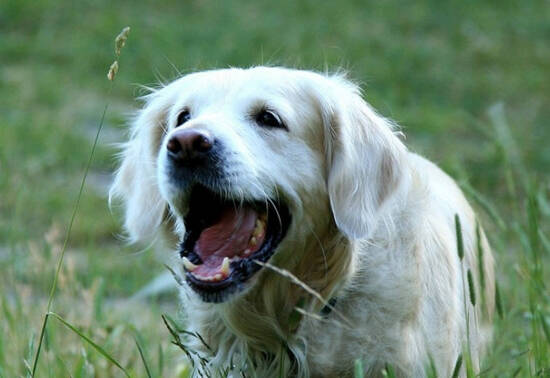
x=307 y=235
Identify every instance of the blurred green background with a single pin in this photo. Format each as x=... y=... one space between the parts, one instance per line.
x=469 y=82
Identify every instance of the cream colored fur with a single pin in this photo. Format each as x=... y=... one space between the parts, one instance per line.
x=372 y=225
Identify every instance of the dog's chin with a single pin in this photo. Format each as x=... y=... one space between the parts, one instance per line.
x=227 y=240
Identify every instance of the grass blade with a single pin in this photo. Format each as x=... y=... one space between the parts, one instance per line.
x=40 y=340
x=480 y=263
x=160 y=360
x=173 y=324
x=390 y=373
x=545 y=327
x=544 y=241
x=141 y=354
x=432 y=371
x=516 y=372
x=458 y=365
x=30 y=348
x=98 y=348
x=358 y=371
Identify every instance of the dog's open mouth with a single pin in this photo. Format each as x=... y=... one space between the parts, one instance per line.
x=225 y=237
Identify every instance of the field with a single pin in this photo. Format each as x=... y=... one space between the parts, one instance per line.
x=469 y=82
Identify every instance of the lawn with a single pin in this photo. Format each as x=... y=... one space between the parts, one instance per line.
x=468 y=81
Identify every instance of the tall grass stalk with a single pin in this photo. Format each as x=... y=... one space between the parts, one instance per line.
x=68 y=234
x=465 y=278
x=119 y=43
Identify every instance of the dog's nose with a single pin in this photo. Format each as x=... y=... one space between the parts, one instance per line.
x=189 y=144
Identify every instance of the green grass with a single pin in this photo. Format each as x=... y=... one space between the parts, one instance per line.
x=468 y=81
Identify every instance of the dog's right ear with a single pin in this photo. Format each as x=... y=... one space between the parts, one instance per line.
x=135 y=181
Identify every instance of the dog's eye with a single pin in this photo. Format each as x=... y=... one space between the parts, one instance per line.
x=183 y=117
x=269 y=119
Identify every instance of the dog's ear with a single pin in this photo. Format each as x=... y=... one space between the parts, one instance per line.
x=135 y=181
x=366 y=162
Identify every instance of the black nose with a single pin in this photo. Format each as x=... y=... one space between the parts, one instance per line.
x=188 y=145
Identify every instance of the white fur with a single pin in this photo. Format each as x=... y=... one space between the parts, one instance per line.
x=373 y=225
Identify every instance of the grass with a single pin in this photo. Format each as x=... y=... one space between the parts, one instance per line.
x=469 y=82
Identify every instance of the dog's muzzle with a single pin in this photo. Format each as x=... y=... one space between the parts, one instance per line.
x=226 y=236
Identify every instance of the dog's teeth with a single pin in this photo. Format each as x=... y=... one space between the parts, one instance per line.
x=188 y=264
x=225 y=266
x=259 y=228
x=253 y=241
x=215 y=277
x=247 y=252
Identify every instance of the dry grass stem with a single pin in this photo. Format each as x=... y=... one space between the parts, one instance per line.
x=297 y=281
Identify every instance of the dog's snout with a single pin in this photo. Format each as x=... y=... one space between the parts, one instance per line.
x=193 y=154
x=189 y=144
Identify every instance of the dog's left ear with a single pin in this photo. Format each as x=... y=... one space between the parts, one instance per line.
x=366 y=163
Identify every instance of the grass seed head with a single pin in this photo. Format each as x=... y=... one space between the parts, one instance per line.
x=498 y=301
x=112 y=71
x=480 y=253
x=459 y=240
x=120 y=40
x=471 y=287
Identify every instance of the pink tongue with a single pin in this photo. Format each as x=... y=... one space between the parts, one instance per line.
x=226 y=238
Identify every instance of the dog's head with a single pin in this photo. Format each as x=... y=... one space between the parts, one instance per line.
x=249 y=161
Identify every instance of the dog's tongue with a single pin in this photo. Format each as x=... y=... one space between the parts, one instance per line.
x=227 y=237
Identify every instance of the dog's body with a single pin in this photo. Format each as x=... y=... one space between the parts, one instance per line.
x=357 y=245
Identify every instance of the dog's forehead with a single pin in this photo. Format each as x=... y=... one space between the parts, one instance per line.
x=235 y=84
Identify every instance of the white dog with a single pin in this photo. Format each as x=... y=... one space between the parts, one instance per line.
x=308 y=235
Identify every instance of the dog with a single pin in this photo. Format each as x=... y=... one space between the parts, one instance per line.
x=307 y=236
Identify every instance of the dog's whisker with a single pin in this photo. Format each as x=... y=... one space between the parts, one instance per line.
x=268 y=200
